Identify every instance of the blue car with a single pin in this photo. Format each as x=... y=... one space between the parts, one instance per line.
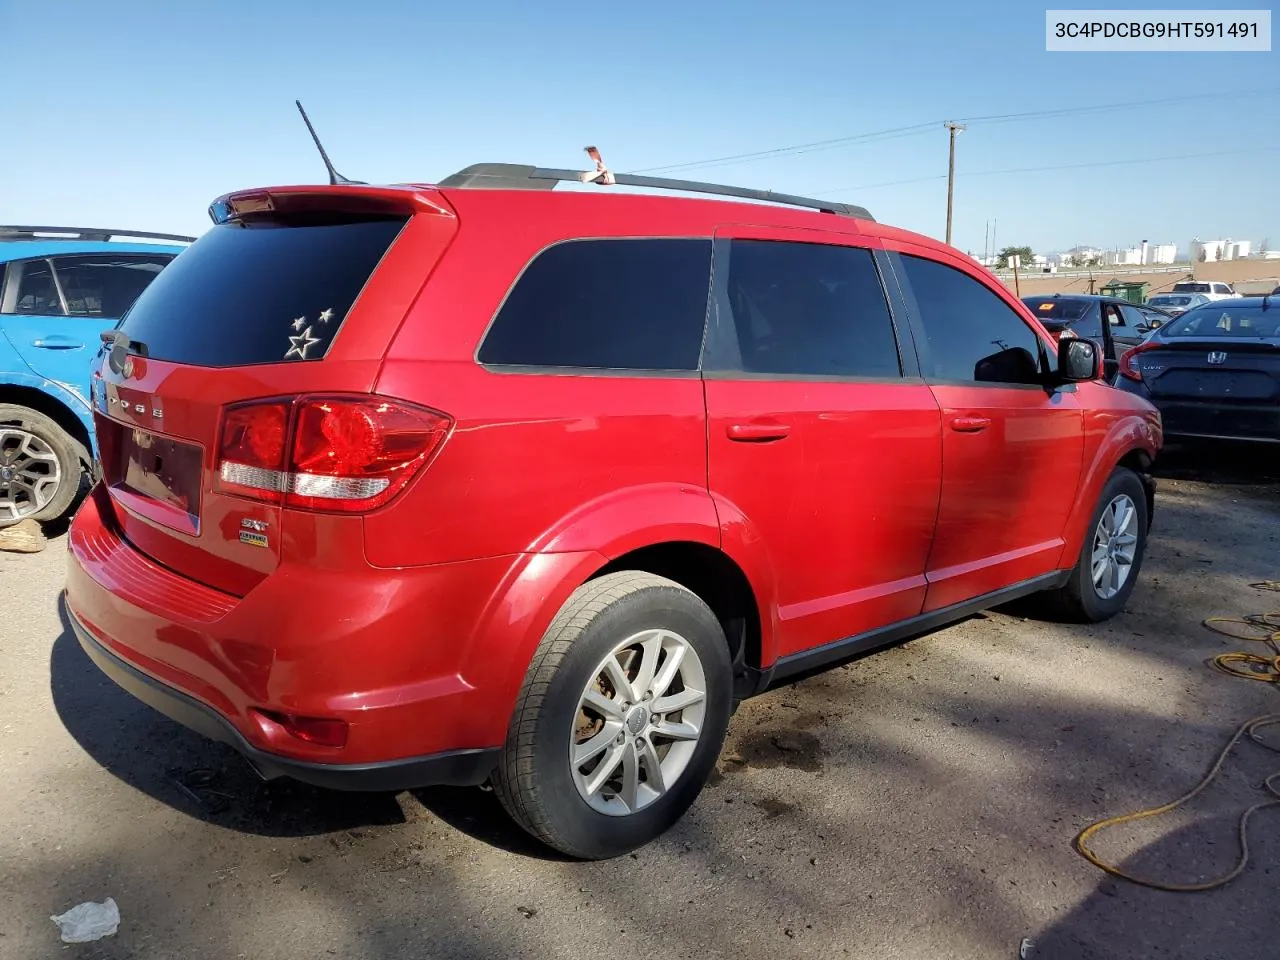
x=60 y=288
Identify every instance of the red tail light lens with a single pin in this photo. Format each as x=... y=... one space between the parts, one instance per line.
x=252 y=450
x=347 y=454
x=1129 y=368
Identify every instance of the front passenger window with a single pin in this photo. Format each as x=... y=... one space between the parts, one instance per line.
x=973 y=335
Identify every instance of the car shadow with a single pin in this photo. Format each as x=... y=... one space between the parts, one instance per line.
x=1219 y=462
x=198 y=777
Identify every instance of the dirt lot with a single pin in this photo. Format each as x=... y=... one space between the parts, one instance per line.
x=916 y=804
x=1249 y=276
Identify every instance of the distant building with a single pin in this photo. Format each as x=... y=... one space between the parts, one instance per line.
x=1210 y=251
x=1131 y=257
x=1161 y=253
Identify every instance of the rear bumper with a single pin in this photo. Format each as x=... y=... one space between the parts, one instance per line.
x=459 y=767
x=1250 y=422
x=422 y=664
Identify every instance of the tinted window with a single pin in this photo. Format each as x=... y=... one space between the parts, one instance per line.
x=105 y=286
x=1215 y=321
x=1133 y=317
x=1192 y=287
x=31 y=290
x=1060 y=309
x=973 y=335
x=607 y=304
x=810 y=309
x=259 y=293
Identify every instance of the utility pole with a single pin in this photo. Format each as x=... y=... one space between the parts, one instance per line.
x=952 y=128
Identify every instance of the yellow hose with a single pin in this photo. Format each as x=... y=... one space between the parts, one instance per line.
x=1265 y=628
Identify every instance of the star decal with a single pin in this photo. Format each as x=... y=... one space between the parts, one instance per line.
x=326 y=315
x=299 y=323
x=301 y=344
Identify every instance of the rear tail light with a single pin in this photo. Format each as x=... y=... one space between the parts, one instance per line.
x=346 y=454
x=1129 y=366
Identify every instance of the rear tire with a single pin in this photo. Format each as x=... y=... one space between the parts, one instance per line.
x=1110 y=559
x=40 y=466
x=655 y=738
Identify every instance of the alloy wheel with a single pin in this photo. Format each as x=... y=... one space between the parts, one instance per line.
x=1115 y=545
x=29 y=474
x=638 y=722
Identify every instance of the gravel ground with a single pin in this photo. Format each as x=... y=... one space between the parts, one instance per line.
x=919 y=803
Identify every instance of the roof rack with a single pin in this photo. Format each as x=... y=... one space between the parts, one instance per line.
x=515 y=176
x=83 y=233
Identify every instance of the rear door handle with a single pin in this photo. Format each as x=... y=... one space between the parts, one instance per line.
x=760 y=431
x=970 y=424
x=57 y=341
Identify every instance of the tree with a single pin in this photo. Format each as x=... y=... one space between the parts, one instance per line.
x=1004 y=257
x=1218 y=254
x=1204 y=255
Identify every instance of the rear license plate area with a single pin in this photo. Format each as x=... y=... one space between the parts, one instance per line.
x=159 y=474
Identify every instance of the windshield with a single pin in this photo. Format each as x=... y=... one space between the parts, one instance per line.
x=1169 y=301
x=1211 y=321
x=1057 y=309
x=1192 y=287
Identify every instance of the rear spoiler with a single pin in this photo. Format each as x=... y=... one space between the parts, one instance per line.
x=343 y=198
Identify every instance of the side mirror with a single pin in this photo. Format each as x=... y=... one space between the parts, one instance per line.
x=1078 y=360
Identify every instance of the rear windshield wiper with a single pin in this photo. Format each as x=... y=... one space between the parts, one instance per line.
x=121 y=347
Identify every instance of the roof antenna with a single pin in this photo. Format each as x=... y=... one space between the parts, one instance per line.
x=335 y=177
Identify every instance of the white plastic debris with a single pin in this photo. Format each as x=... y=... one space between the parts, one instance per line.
x=1026 y=948
x=86 y=922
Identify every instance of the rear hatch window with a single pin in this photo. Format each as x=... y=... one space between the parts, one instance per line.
x=259 y=292
x=1058 y=312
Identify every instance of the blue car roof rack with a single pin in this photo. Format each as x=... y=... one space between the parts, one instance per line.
x=84 y=233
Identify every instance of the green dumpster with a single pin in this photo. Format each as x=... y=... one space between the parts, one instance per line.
x=1134 y=292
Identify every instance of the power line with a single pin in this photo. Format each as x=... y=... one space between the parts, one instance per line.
x=892 y=134
x=1064 y=166
x=919 y=128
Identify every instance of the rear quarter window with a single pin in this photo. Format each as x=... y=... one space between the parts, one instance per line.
x=627 y=304
x=259 y=293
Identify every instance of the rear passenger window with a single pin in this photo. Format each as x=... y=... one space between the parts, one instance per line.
x=973 y=335
x=32 y=291
x=606 y=304
x=810 y=309
x=105 y=286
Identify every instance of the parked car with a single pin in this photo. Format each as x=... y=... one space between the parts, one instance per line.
x=417 y=485
x=1176 y=304
x=1214 y=290
x=1214 y=372
x=59 y=289
x=1125 y=325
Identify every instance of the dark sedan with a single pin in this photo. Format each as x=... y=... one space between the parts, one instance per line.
x=1126 y=325
x=1214 y=372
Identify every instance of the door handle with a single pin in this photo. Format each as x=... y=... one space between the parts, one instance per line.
x=760 y=431
x=57 y=342
x=970 y=424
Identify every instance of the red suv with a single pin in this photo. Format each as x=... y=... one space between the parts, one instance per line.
x=443 y=484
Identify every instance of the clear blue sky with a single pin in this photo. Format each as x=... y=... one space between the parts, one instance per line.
x=124 y=113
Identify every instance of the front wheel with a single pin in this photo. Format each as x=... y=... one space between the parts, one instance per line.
x=1111 y=556
x=620 y=719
